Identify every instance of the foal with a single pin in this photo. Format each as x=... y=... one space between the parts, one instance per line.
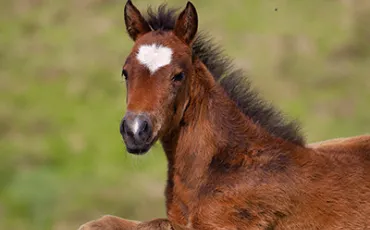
x=233 y=162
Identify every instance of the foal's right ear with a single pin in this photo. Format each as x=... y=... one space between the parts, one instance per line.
x=136 y=25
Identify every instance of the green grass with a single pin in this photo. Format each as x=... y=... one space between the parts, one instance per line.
x=62 y=160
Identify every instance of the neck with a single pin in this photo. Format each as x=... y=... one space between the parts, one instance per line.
x=214 y=133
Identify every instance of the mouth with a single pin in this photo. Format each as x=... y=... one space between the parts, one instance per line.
x=140 y=149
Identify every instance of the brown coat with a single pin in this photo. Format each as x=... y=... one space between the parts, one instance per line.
x=233 y=161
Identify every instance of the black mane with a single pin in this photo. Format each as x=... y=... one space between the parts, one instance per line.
x=232 y=80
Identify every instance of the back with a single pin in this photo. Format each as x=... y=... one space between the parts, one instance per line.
x=335 y=192
x=348 y=143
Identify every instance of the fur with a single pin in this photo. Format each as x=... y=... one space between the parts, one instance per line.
x=233 y=80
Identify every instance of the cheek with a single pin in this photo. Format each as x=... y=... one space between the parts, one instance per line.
x=180 y=100
x=160 y=104
x=166 y=107
x=178 y=94
x=168 y=101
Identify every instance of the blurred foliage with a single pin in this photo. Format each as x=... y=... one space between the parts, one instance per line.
x=62 y=160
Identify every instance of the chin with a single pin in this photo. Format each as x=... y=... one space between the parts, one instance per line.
x=138 y=151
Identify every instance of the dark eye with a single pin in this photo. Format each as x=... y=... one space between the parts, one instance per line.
x=178 y=77
x=124 y=73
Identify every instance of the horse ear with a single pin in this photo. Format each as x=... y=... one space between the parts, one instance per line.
x=187 y=24
x=136 y=25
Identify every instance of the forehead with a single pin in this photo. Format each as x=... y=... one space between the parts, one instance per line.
x=156 y=50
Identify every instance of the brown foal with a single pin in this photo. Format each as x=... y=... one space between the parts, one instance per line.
x=233 y=162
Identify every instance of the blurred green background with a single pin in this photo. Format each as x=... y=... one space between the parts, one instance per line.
x=62 y=160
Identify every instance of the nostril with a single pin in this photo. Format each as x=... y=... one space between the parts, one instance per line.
x=125 y=129
x=145 y=131
x=121 y=127
x=145 y=126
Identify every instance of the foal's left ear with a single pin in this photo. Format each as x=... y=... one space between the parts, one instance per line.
x=136 y=25
x=187 y=24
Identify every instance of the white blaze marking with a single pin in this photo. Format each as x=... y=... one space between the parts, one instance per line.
x=154 y=56
x=136 y=125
